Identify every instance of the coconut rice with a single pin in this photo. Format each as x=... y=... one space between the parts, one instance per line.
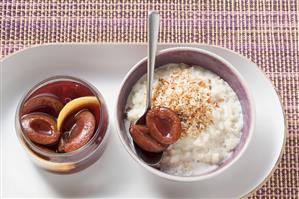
x=210 y=113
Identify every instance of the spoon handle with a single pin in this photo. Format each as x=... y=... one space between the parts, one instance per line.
x=153 y=31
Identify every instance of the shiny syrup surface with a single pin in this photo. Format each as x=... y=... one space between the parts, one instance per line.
x=65 y=91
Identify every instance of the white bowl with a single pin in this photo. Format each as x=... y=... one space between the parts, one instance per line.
x=207 y=60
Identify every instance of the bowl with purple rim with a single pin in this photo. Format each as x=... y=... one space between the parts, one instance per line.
x=192 y=57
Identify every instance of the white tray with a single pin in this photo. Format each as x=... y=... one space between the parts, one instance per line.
x=116 y=174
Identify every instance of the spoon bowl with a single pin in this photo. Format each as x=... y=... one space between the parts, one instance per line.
x=152 y=159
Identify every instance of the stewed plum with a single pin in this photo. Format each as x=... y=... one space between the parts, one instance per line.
x=61 y=115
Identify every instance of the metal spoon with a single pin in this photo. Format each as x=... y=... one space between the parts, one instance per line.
x=152 y=159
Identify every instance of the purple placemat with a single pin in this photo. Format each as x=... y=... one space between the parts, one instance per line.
x=265 y=31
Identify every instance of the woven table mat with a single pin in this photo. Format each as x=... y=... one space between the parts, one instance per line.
x=265 y=31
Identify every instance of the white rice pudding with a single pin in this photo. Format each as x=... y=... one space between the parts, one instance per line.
x=210 y=112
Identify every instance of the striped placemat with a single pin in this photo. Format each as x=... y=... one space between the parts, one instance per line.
x=265 y=31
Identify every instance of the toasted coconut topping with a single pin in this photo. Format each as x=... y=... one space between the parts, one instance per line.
x=189 y=97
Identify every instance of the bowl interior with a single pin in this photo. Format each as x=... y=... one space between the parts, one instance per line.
x=191 y=57
x=50 y=85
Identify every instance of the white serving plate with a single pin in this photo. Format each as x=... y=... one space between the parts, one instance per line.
x=116 y=174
